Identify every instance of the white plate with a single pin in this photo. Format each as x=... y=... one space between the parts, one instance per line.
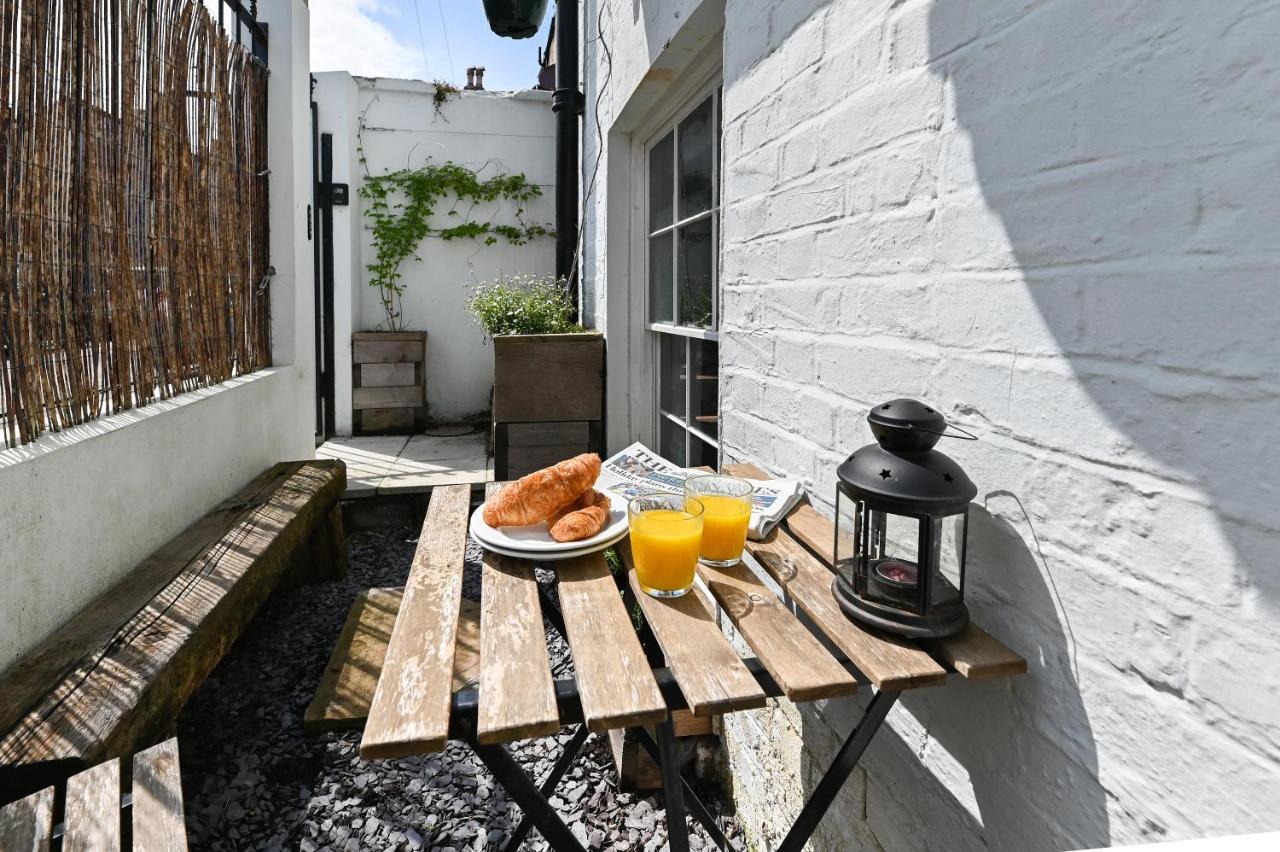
x=535 y=540
x=555 y=556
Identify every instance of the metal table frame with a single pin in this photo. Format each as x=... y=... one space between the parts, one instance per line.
x=680 y=799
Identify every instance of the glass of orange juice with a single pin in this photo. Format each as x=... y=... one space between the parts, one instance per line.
x=666 y=532
x=726 y=516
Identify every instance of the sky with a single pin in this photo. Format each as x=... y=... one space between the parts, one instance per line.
x=420 y=39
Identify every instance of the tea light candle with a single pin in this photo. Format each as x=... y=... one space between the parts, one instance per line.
x=897 y=573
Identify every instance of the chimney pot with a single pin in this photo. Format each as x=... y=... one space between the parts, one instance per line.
x=480 y=77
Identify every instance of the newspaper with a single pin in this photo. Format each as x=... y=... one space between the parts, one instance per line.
x=639 y=470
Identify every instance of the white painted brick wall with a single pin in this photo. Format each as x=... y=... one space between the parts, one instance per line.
x=1057 y=221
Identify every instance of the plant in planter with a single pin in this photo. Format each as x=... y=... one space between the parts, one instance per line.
x=548 y=373
x=401 y=209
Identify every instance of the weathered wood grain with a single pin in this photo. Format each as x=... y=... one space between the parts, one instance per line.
x=410 y=711
x=158 y=824
x=345 y=693
x=388 y=397
x=387 y=375
x=889 y=661
x=816 y=532
x=542 y=377
x=976 y=654
x=711 y=675
x=517 y=694
x=93 y=809
x=386 y=347
x=784 y=646
x=614 y=678
x=121 y=670
x=27 y=824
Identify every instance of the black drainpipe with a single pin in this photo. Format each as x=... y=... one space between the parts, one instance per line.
x=566 y=103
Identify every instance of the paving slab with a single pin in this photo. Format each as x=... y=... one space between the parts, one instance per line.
x=401 y=464
x=425 y=448
x=368 y=460
x=408 y=476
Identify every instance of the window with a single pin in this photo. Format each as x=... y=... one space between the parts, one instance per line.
x=682 y=260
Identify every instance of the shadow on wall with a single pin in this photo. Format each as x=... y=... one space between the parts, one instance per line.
x=1128 y=158
x=1023 y=746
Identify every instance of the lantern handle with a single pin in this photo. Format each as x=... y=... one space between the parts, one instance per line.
x=964 y=435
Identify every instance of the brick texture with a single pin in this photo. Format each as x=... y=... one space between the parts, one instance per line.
x=1056 y=221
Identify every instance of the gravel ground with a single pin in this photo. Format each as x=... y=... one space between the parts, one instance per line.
x=252 y=781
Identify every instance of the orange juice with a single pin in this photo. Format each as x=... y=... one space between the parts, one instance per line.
x=724 y=527
x=664 y=545
x=726 y=503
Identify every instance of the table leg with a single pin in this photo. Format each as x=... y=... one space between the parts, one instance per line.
x=672 y=787
x=694 y=804
x=526 y=794
x=549 y=784
x=551 y=611
x=846 y=759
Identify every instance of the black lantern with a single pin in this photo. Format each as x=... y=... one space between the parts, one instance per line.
x=515 y=18
x=902 y=520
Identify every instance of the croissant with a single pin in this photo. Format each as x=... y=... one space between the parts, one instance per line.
x=583 y=518
x=536 y=497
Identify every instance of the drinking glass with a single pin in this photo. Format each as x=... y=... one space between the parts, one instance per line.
x=666 y=532
x=727 y=514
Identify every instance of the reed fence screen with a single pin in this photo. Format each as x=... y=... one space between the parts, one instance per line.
x=133 y=220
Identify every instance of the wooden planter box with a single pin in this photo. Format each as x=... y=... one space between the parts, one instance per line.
x=548 y=399
x=389 y=382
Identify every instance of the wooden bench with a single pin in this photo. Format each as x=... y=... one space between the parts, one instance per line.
x=342 y=700
x=117 y=674
x=97 y=817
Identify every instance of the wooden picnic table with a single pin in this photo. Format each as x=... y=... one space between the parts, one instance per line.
x=628 y=676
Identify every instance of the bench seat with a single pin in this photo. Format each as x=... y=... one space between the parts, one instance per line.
x=118 y=673
x=96 y=809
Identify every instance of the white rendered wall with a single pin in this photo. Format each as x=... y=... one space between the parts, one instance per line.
x=80 y=508
x=490 y=132
x=1057 y=222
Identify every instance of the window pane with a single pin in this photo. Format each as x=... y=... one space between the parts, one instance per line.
x=671 y=374
x=696 y=152
x=671 y=441
x=706 y=386
x=702 y=453
x=694 y=272
x=661 y=185
x=660 y=278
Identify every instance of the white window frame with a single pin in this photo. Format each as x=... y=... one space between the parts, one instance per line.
x=692 y=64
x=670 y=124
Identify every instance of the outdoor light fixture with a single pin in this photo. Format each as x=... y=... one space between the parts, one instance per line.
x=515 y=18
x=902 y=519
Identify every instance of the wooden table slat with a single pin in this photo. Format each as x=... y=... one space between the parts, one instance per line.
x=615 y=682
x=27 y=824
x=711 y=675
x=976 y=654
x=93 y=809
x=410 y=710
x=158 y=824
x=785 y=647
x=517 y=692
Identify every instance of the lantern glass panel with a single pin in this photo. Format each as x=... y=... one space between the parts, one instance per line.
x=848 y=535
x=900 y=538
x=948 y=546
x=891 y=575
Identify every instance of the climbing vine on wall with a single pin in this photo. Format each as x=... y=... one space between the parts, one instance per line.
x=400 y=206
